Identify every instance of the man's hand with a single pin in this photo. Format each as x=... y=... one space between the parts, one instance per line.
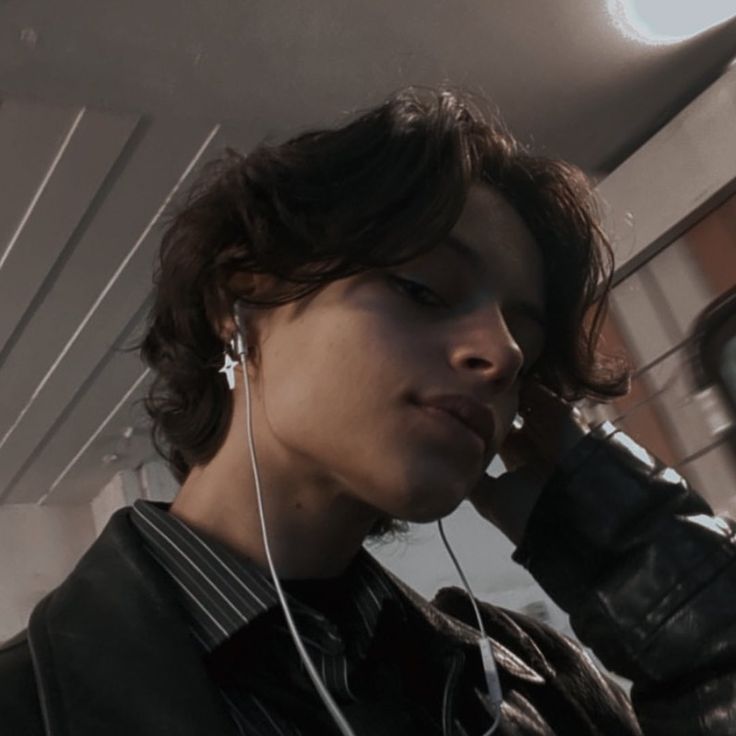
x=551 y=428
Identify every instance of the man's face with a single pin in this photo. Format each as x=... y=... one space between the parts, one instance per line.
x=340 y=375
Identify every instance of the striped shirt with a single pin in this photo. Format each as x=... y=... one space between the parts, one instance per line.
x=233 y=611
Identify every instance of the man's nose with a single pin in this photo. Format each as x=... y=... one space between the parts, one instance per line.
x=489 y=347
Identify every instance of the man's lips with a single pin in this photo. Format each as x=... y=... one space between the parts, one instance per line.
x=465 y=411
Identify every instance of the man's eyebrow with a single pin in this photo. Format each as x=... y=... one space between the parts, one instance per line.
x=463 y=249
x=473 y=259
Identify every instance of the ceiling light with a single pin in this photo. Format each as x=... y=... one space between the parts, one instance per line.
x=664 y=21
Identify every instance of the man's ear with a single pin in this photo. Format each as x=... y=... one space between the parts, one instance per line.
x=241 y=286
x=219 y=310
x=221 y=304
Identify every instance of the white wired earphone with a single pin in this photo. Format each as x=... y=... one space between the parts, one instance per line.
x=492 y=701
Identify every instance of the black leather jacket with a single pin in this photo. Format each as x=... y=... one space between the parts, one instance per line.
x=646 y=572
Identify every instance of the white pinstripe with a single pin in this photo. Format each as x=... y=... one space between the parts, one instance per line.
x=198 y=603
x=267 y=714
x=198 y=569
x=345 y=677
x=235 y=576
x=225 y=583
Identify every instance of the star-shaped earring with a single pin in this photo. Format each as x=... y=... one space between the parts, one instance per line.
x=229 y=370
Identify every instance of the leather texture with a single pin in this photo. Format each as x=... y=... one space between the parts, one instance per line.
x=636 y=557
x=648 y=575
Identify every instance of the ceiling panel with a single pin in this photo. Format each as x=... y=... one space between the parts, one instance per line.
x=79 y=451
x=565 y=74
x=54 y=205
x=30 y=137
x=105 y=279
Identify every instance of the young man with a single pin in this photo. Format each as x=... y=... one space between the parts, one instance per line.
x=408 y=283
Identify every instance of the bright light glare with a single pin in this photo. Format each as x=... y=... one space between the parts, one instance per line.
x=665 y=21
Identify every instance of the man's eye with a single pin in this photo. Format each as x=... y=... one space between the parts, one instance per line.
x=418 y=292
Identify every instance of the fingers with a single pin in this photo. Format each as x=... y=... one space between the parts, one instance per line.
x=518 y=449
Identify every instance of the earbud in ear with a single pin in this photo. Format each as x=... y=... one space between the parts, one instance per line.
x=240 y=339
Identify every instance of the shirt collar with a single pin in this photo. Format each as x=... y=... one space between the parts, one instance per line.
x=223 y=590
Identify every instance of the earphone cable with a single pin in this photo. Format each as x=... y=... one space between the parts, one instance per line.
x=489 y=665
x=322 y=690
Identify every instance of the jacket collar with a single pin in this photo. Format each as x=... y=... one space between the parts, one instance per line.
x=454 y=632
x=105 y=643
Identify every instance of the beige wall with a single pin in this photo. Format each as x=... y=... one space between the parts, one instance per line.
x=39 y=545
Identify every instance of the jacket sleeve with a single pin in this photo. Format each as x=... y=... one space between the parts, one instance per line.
x=20 y=706
x=648 y=576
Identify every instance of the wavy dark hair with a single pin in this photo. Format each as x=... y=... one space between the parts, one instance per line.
x=375 y=192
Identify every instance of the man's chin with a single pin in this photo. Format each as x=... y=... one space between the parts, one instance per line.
x=432 y=512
